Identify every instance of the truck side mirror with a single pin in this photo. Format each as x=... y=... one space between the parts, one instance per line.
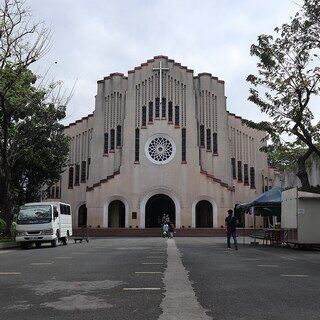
x=55 y=214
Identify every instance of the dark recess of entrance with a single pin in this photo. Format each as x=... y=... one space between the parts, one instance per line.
x=204 y=218
x=82 y=216
x=155 y=207
x=116 y=214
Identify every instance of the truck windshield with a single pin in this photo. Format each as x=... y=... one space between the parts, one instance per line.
x=34 y=214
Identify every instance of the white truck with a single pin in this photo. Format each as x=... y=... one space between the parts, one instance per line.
x=40 y=222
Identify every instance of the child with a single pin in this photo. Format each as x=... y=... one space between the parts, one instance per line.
x=171 y=230
x=165 y=229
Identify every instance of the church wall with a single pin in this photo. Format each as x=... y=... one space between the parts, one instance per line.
x=126 y=173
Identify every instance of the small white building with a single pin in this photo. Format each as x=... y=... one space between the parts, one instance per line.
x=161 y=140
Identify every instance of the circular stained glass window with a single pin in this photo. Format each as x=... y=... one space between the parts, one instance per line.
x=160 y=149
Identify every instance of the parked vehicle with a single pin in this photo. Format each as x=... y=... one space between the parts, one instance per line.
x=41 y=222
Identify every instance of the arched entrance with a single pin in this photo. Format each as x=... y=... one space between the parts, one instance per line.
x=204 y=214
x=82 y=216
x=155 y=207
x=116 y=214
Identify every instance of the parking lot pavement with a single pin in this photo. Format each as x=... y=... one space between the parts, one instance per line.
x=154 y=278
x=261 y=282
x=92 y=280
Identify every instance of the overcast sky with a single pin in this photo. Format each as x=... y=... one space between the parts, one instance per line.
x=93 y=38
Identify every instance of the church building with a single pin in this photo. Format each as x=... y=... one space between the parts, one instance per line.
x=161 y=140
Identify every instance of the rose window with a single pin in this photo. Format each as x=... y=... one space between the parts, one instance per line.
x=160 y=149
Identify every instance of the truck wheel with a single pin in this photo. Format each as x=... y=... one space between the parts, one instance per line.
x=65 y=240
x=24 y=245
x=38 y=244
x=54 y=242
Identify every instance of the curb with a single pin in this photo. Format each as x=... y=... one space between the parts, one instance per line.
x=8 y=245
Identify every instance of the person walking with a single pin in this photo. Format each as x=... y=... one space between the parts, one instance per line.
x=231 y=225
x=171 y=230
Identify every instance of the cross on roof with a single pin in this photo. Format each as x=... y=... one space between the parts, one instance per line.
x=160 y=69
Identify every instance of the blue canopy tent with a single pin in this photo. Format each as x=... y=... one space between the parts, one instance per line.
x=268 y=204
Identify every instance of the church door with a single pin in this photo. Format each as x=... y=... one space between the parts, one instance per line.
x=116 y=214
x=156 y=206
x=204 y=214
x=82 y=216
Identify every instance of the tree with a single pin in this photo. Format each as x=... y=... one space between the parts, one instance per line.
x=31 y=138
x=288 y=77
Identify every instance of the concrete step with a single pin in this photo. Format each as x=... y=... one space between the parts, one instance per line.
x=157 y=232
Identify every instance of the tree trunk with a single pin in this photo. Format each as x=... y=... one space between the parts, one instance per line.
x=302 y=172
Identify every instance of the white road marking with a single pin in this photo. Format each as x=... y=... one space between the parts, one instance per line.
x=294 y=275
x=78 y=253
x=141 y=289
x=40 y=263
x=268 y=265
x=6 y=251
x=148 y=272
x=152 y=263
x=286 y=258
x=250 y=259
x=63 y=257
x=179 y=302
x=9 y=273
x=154 y=257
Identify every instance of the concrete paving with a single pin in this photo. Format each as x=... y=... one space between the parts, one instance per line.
x=155 y=278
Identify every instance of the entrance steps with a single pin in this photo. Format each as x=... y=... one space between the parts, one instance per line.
x=156 y=232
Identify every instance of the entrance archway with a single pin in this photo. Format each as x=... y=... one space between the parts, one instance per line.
x=204 y=214
x=82 y=216
x=116 y=214
x=155 y=207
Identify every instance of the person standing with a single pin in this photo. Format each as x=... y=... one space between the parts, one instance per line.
x=165 y=229
x=231 y=225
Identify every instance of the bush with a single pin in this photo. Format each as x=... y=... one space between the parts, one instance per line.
x=3 y=227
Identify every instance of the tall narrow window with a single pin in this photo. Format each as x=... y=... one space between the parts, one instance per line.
x=157 y=111
x=57 y=192
x=106 y=143
x=77 y=175
x=183 y=138
x=170 y=112
x=163 y=108
x=119 y=136
x=239 y=171
x=144 y=116
x=112 y=140
x=208 y=140
x=252 y=178
x=176 y=116
x=215 y=143
x=137 y=142
x=201 y=135
x=88 y=168
x=245 y=174
x=83 y=171
x=150 y=112
x=233 y=166
x=70 y=180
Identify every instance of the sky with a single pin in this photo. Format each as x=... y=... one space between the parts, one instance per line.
x=93 y=38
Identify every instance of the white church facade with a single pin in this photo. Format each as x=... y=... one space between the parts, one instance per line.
x=161 y=140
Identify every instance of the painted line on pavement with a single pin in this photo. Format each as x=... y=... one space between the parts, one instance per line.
x=148 y=272
x=63 y=257
x=268 y=265
x=295 y=275
x=179 y=301
x=6 y=251
x=152 y=262
x=77 y=253
x=250 y=259
x=41 y=263
x=10 y=273
x=141 y=289
x=286 y=258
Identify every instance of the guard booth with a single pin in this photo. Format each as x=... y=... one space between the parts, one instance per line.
x=300 y=217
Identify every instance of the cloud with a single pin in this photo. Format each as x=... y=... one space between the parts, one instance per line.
x=97 y=37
